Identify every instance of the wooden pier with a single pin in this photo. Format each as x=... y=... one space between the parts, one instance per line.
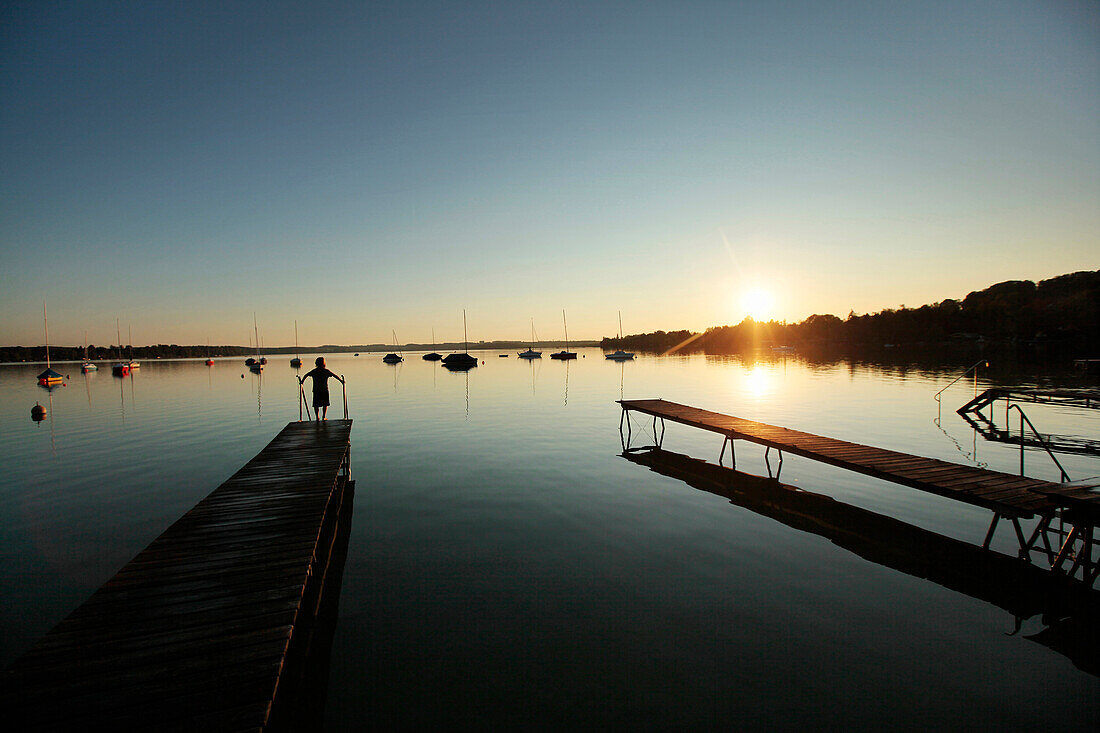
x=218 y=623
x=1009 y=496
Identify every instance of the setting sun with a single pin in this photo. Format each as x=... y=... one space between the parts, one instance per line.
x=757 y=303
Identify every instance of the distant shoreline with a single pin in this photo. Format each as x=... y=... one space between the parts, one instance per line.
x=75 y=354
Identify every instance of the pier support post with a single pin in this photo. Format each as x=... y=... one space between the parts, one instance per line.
x=1066 y=547
x=733 y=456
x=992 y=529
x=779 y=469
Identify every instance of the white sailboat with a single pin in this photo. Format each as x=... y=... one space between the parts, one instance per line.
x=620 y=355
x=87 y=366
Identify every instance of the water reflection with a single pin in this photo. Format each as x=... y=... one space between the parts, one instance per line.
x=566 y=401
x=757 y=382
x=1068 y=609
x=535 y=366
x=258 y=387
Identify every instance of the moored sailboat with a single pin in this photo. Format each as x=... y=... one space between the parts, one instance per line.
x=122 y=368
x=565 y=354
x=86 y=365
x=297 y=360
x=531 y=353
x=620 y=355
x=130 y=337
x=432 y=356
x=257 y=364
x=48 y=378
x=393 y=358
x=463 y=361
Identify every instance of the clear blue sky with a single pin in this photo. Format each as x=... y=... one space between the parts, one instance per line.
x=372 y=166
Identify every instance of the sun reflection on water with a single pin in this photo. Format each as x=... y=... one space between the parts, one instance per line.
x=757 y=381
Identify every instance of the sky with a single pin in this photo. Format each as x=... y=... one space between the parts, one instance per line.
x=370 y=168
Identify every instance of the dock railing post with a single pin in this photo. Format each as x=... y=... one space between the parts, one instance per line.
x=344 y=386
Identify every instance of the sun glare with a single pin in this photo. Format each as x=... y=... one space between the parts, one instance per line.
x=758 y=304
x=757 y=382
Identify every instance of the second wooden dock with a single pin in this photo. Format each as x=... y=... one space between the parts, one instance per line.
x=1006 y=494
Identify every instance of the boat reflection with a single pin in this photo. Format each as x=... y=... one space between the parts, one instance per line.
x=1068 y=609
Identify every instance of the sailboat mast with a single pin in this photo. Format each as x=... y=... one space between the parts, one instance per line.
x=465 y=339
x=130 y=340
x=118 y=335
x=46 y=327
x=566 y=324
x=296 y=339
x=256 y=328
x=620 y=325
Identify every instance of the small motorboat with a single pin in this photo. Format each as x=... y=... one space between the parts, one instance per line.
x=49 y=378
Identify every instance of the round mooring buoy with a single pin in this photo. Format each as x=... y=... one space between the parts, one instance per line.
x=38 y=413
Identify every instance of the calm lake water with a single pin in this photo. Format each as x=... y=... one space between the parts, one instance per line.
x=508 y=567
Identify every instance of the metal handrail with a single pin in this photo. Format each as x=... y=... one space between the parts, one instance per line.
x=344 y=385
x=1042 y=442
x=303 y=401
x=974 y=366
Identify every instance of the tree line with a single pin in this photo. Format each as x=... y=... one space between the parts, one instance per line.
x=1062 y=312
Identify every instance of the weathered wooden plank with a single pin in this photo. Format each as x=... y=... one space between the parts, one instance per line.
x=197 y=627
x=999 y=491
